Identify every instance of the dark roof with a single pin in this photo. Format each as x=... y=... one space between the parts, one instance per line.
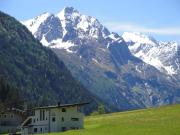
x=15 y=110
x=59 y=106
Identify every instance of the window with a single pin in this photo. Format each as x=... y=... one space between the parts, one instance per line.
x=41 y=129
x=42 y=115
x=63 y=128
x=63 y=109
x=12 y=115
x=35 y=130
x=5 y=115
x=53 y=119
x=0 y=115
x=62 y=118
x=34 y=120
x=75 y=119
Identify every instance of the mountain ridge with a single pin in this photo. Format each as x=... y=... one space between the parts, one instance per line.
x=41 y=78
x=103 y=63
x=156 y=53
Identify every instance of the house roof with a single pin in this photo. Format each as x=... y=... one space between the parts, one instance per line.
x=60 y=106
x=15 y=110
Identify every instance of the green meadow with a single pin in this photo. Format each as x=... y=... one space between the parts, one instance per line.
x=154 y=121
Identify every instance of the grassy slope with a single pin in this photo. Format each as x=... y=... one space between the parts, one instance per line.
x=159 y=121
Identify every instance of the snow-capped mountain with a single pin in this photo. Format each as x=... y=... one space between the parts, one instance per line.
x=162 y=55
x=101 y=60
x=33 y=24
x=57 y=31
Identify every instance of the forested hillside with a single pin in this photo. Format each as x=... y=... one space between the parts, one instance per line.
x=39 y=76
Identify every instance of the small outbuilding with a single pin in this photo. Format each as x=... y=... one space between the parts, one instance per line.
x=56 y=118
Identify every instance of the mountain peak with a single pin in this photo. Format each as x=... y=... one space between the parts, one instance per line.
x=138 y=37
x=84 y=25
x=44 y=14
x=68 y=11
x=34 y=23
x=162 y=55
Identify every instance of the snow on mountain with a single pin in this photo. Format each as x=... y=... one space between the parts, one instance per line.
x=102 y=62
x=61 y=30
x=162 y=55
x=33 y=24
x=73 y=24
x=69 y=28
x=85 y=25
x=137 y=38
x=70 y=15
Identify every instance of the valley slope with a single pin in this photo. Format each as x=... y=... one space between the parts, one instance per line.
x=154 y=121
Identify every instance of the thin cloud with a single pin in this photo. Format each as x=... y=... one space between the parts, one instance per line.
x=122 y=27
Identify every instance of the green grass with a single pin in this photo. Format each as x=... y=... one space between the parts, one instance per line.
x=158 y=121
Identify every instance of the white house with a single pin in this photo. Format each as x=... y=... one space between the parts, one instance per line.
x=11 y=120
x=54 y=119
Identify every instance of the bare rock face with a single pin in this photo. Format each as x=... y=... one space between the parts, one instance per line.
x=102 y=61
x=162 y=55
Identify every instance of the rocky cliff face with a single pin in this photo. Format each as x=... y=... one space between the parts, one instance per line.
x=162 y=55
x=32 y=73
x=101 y=60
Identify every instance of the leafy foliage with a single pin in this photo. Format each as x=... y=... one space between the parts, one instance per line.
x=101 y=109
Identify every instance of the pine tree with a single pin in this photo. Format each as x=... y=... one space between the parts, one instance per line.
x=101 y=109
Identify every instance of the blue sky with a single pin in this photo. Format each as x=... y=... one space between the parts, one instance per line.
x=158 y=18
